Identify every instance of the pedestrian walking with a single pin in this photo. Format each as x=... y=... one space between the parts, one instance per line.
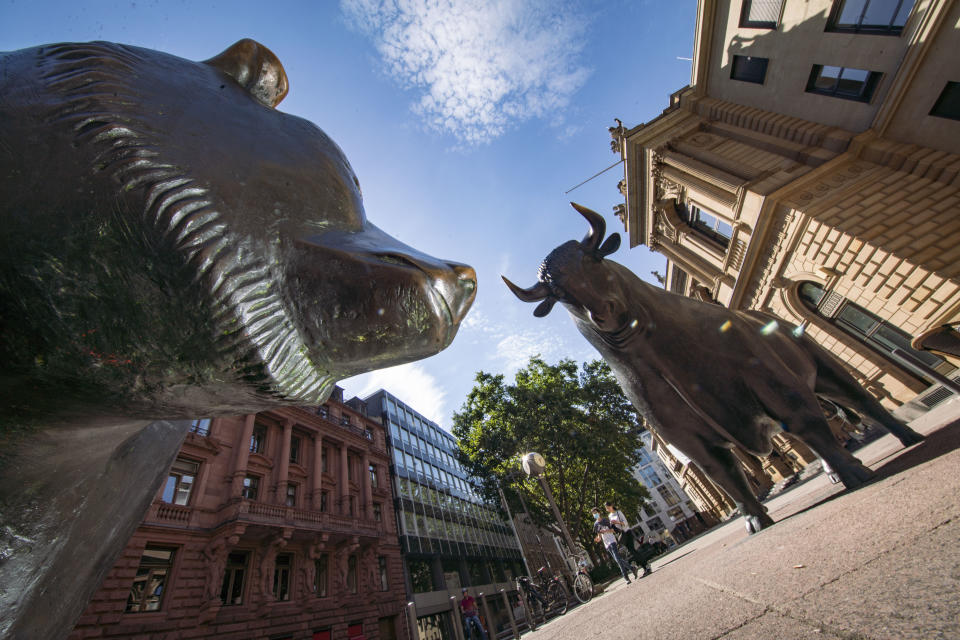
x=604 y=533
x=471 y=618
x=627 y=538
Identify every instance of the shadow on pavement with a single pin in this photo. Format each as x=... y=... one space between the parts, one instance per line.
x=936 y=444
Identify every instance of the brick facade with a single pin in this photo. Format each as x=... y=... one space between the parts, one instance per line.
x=265 y=550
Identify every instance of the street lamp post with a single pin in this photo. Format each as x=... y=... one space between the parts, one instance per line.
x=534 y=465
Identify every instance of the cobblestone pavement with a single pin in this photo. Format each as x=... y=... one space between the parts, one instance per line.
x=880 y=562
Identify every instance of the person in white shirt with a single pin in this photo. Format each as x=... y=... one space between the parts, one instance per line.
x=604 y=532
x=627 y=539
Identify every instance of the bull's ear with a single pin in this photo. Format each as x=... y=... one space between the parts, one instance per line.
x=544 y=307
x=256 y=69
x=610 y=245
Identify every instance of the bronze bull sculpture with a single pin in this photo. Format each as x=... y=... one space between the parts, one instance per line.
x=173 y=247
x=704 y=377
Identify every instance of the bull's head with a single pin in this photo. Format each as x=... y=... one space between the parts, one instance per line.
x=576 y=274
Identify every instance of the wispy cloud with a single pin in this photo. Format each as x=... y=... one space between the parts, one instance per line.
x=409 y=382
x=516 y=349
x=480 y=66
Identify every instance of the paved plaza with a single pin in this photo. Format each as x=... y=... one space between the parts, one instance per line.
x=880 y=562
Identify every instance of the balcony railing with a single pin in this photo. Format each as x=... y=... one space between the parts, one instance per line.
x=168 y=512
x=273 y=514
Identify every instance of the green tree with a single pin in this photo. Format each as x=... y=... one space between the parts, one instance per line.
x=577 y=418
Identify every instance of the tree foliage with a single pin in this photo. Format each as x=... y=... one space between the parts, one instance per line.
x=577 y=418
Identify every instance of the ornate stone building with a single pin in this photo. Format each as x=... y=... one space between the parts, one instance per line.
x=810 y=170
x=275 y=525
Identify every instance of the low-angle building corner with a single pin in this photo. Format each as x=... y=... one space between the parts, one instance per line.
x=810 y=170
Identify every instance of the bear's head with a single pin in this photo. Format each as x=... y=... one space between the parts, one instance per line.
x=174 y=243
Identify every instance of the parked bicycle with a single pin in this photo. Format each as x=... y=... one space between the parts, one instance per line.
x=582 y=584
x=545 y=597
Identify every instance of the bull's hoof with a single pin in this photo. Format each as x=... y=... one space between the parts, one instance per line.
x=756 y=523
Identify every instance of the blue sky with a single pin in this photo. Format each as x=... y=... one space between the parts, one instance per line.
x=465 y=120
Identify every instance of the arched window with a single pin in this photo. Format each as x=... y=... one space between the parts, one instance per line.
x=860 y=323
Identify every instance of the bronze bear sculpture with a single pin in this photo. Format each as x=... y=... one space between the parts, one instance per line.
x=703 y=376
x=174 y=247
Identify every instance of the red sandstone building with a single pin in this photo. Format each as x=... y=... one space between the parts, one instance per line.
x=276 y=525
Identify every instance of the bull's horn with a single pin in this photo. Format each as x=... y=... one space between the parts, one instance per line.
x=535 y=293
x=598 y=227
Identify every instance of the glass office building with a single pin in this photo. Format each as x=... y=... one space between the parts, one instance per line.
x=450 y=538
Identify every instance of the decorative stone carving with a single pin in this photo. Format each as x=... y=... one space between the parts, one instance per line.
x=620 y=211
x=617 y=133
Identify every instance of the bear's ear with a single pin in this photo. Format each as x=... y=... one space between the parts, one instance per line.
x=257 y=70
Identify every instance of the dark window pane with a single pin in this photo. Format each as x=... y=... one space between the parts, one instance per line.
x=852 y=82
x=850 y=13
x=948 y=104
x=901 y=18
x=857 y=319
x=749 y=69
x=880 y=12
x=827 y=78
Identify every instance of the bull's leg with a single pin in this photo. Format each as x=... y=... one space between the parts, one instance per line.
x=834 y=383
x=815 y=432
x=723 y=468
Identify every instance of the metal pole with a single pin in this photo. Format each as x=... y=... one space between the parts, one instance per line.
x=513 y=526
x=556 y=512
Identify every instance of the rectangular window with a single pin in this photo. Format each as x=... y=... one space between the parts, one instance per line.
x=295 y=449
x=201 y=427
x=291 y=500
x=749 y=69
x=324 y=500
x=231 y=591
x=948 y=104
x=258 y=440
x=377 y=512
x=323 y=411
x=281 y=576
x=880 y=17
x=323 y=460
x=710 y=225
x=251 y=487
x=368 y=434
x=352 y=574
x=180 y=482
x=321 y=576
x=345 y=420
x=843 y=82
x=374 y=478
x=147 y=589
x=678 y=281
x=669 y=495
x=352 y=504
x=382 y=568
x=760 y=14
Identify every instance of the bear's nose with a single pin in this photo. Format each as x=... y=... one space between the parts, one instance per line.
x=466 y=290
x=455 y=282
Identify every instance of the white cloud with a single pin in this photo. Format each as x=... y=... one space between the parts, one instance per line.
x=516 y=349
x=409 y=382
x=480 y=65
